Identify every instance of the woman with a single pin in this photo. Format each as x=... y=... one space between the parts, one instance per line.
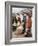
x=28 y=25
x=19 y=25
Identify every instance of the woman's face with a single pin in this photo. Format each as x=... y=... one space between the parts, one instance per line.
x=17 y=17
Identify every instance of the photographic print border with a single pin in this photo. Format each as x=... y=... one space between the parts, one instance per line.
x=8 y=5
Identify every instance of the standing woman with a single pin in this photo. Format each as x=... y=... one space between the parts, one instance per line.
x=28 y=26
x=28 y=22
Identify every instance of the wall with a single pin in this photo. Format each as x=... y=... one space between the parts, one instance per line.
x=2 y=23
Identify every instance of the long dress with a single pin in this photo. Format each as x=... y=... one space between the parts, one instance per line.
x=28 y=23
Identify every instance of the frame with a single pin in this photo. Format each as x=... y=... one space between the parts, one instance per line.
x=8 y=13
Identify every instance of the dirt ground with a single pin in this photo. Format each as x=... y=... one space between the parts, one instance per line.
x=21 y=35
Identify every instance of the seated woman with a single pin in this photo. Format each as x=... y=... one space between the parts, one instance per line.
x=19 y=25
